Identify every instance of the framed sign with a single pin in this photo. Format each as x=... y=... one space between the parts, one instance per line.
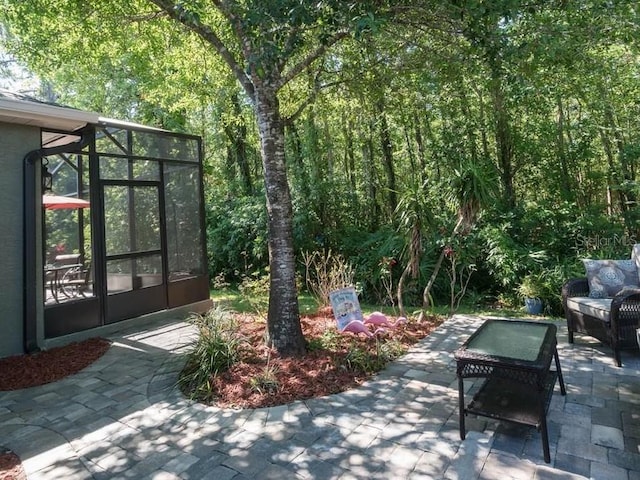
x=345 y=306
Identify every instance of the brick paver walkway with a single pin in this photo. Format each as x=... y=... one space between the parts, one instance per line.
x=123 y=418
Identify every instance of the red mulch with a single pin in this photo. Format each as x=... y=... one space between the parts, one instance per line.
x=10 y=466
x=23 y=371
x=320 y=372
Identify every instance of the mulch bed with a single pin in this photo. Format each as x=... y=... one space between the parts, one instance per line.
x=24 y=371
x=318 y=373
x=10 y=466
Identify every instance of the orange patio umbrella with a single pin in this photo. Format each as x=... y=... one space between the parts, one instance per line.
x=55 y=202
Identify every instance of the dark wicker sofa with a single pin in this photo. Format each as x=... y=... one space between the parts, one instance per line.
x=612 y=321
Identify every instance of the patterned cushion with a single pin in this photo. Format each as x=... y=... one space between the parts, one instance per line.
x=607 y=277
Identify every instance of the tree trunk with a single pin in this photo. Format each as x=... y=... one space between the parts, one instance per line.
x=320 y=167
x=387 y=157
x=626 y=176
x=503 y=134
x=426 y=293
x=436 y=269
x=468 y=124
x=369 y=178
x=301 y=173
x=565 y=182
x=240 y=149
x=611 y=181
x=483 y=127
x=350 y=158
x=421 y=149
x=400 y=289
x=413 y=262
x=406 y=128
x=237 y=151
x=283 y=320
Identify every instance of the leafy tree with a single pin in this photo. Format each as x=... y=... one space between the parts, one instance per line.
x=266 y=45
x=539 y=98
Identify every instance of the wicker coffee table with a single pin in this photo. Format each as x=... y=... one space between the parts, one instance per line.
x=514 y=357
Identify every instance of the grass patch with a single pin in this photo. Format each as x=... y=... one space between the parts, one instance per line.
x=234 y=300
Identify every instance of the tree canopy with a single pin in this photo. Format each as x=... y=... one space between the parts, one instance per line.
x=372 y=128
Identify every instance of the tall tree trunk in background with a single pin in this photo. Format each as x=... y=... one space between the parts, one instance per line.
x=349 y=155
x=318 y=165
x=413 y=263
x=298 y=160
x=626 y=176
x=410 y=153
x=483 y=125
x=387 y=157
x=432 y=141
x=468 y=122
x=368 y=156
x=237 y=151
x=611 y=172
x=504 y=139
x=565 y=182
x=283 y=328
x=422 y=155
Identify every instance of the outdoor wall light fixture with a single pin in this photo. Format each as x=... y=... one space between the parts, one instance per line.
x=47 y=177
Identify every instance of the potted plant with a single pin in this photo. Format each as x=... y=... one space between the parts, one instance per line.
x=531 y=290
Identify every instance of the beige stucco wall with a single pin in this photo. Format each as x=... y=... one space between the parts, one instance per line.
x=15 y=142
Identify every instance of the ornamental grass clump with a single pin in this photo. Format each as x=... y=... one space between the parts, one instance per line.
x=363 y=358
x=215 y=350
x=266 y=382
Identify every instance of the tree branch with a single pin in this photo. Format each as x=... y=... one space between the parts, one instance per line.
x=210 y=37
x=236 y=24
x=288 y=121
x=310 y=58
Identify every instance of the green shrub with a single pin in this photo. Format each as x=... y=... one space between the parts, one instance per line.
x=256 y=284
x=216 y=348
x=361 y=359
x=390 y=350
x=236 y=236
x=329 y=340
x=370 y=254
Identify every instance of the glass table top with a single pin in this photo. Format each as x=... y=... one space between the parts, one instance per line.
x=509 y=339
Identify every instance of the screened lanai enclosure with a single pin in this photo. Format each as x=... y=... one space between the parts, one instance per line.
x=102 y=225
x=122 y=225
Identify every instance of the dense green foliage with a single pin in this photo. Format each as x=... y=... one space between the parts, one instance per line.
x=484 y=141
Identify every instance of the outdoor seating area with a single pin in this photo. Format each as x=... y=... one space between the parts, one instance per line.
x=66 y=278
x=606 y=303
x=123 y=417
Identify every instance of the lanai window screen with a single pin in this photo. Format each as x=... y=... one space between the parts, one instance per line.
x=151 y=191
x=67 y=233
x=184 y=252
x=133 y=242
